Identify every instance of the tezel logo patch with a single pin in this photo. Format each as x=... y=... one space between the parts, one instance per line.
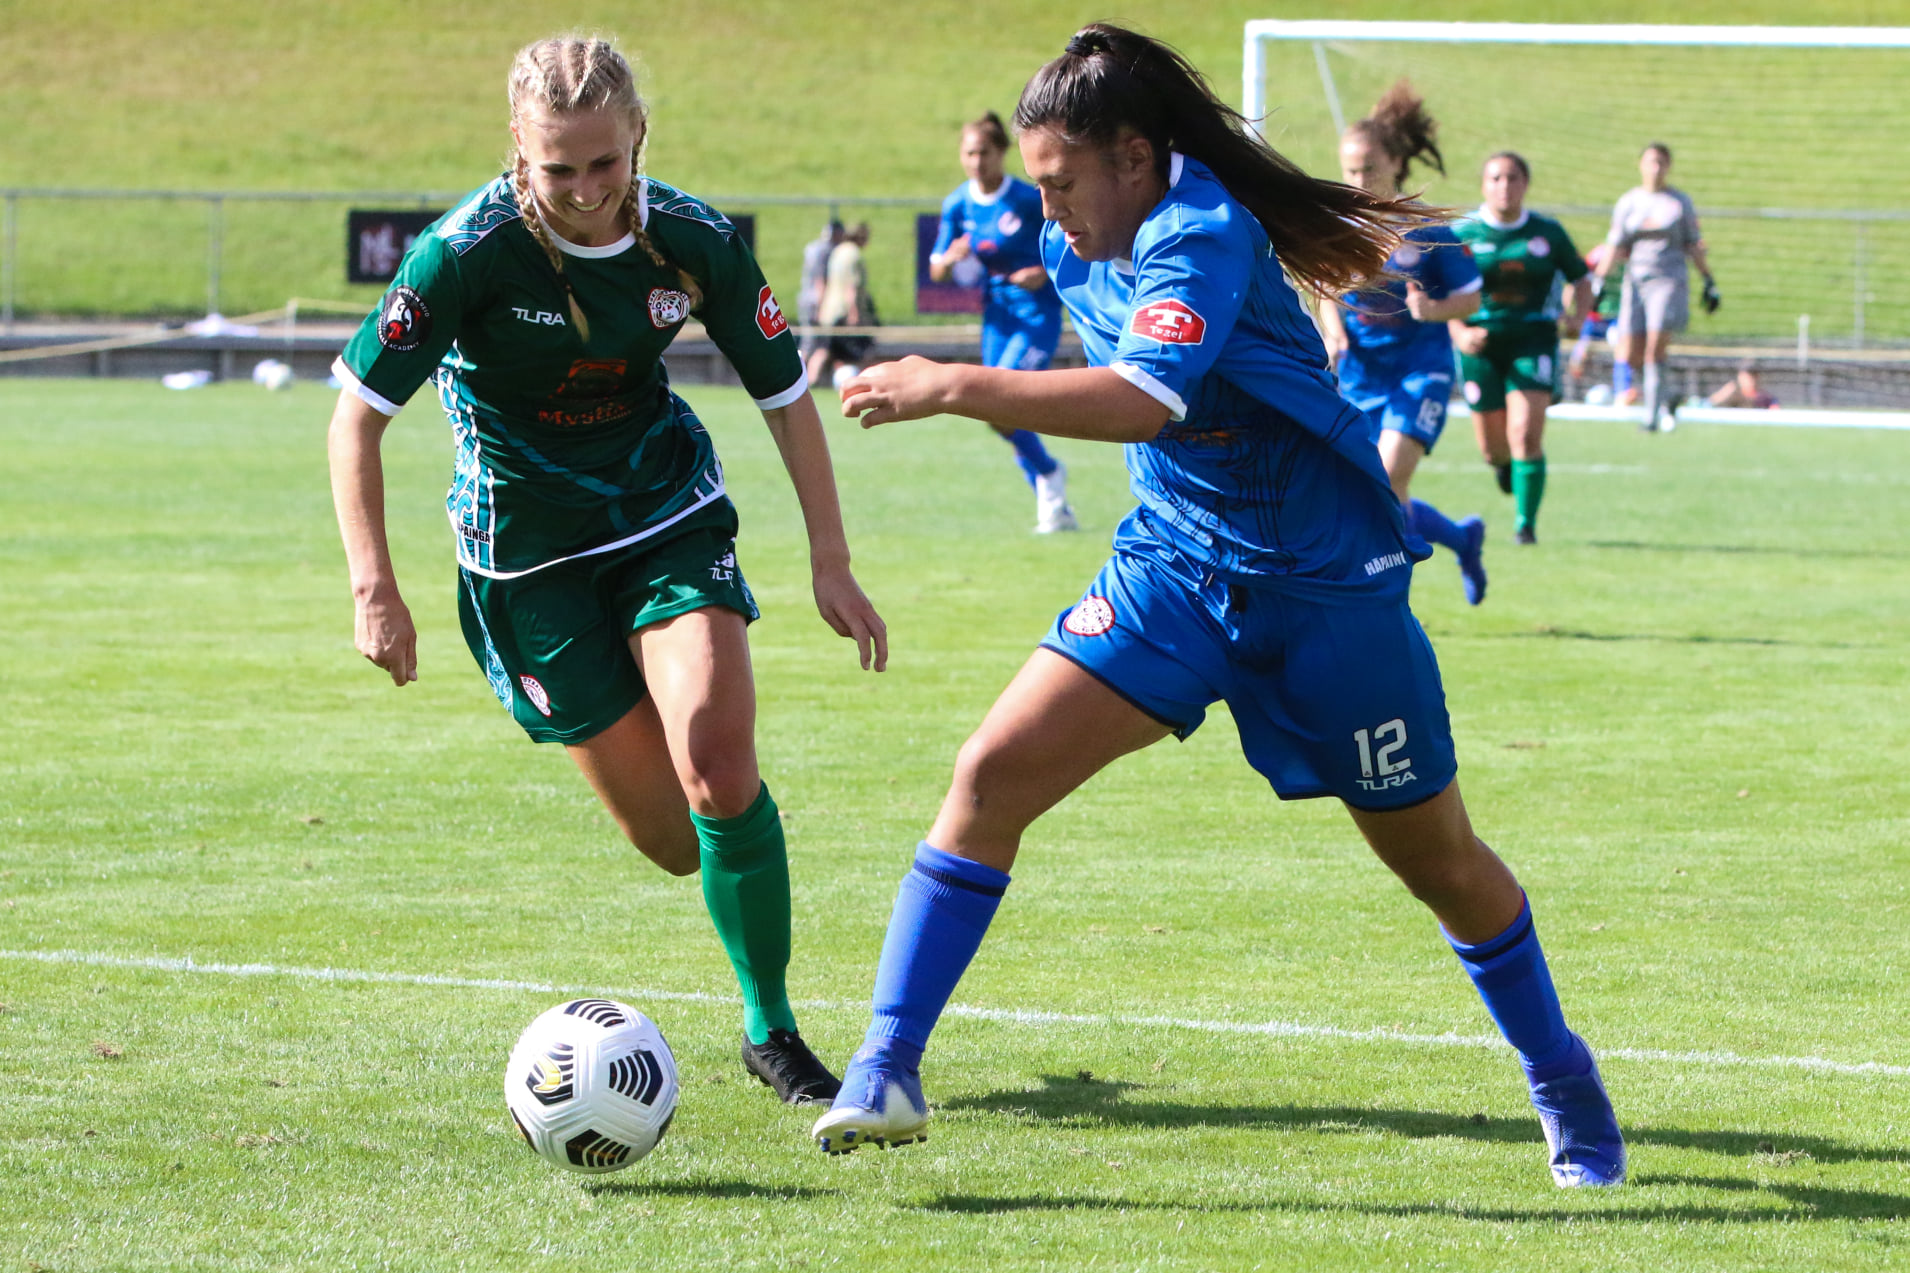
x=406 y=321
x=1169 y=322
x=668 y=307
x=1092 y=617
x=769 y=315
x=534 y=690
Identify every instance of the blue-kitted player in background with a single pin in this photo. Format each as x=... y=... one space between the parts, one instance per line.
x=991 y=237
x=1389 y=340
x=1267 y=564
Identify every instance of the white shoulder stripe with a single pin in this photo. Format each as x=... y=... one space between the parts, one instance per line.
x=787 y=396
x=1176 y=407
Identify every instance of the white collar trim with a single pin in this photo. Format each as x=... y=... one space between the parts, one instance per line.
x=975 y=194
x=568 y=248
x=1175 y=162
x=1525 y=214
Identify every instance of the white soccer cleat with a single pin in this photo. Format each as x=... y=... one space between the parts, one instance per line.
x=880 y=1104
x=1051 y=502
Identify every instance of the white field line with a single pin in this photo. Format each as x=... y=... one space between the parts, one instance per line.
x=1010 y=1016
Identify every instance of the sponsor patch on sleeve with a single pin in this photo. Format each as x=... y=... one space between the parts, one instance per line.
x=405 y=321
x=769 y=315
x=1168 y=322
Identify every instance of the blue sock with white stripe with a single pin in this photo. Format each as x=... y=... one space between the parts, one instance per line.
x=1511 y=975
x=941 y=913
x=1031 y=455
x=1434 y=526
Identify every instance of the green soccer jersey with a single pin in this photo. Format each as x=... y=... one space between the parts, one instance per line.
x=1526 y=266
x=568 y=447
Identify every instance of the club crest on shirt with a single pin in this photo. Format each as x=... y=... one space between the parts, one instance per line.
x=1407 y=256
x=1169 y=322
x=1538 y=245
x=534 y=690
x=1008 y=222
x=405 y=322
x=668 y=307
x=769 y=315
x=1091 y=617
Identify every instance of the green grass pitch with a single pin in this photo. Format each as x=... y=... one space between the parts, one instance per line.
x=1680 y=719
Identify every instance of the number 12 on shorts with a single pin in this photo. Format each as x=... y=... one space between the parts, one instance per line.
x=1380 y=763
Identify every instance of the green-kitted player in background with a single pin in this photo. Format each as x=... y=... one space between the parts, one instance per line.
x=1509 y=349
x=597 y=582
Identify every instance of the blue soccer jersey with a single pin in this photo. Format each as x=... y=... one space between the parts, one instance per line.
x=1386 y=340
x=1264 y=474
x=1004 y=235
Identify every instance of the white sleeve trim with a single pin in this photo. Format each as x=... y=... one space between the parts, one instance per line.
x=372 y=399
x=1469 y=288
x=1177 y=409
x=787 y=396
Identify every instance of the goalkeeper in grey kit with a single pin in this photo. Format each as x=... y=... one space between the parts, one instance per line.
x=598 y=584
x=1654 y=230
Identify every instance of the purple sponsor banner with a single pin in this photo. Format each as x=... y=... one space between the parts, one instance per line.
x=952 y=297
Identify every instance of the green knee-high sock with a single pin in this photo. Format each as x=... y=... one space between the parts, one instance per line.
x=1528 y=488
x=746 y=887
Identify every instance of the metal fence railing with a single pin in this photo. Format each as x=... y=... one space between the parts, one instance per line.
x=310 y=251
x=131 y=252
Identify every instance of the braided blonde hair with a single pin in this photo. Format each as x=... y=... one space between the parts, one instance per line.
x=565 y=75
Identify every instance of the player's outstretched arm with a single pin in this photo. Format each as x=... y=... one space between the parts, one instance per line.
x=797 y=429
x=1094 y=403
x=382 y=628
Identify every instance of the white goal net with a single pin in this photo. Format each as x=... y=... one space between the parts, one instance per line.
x=1789 y=140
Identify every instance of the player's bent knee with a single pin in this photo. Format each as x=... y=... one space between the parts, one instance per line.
x=722 y=788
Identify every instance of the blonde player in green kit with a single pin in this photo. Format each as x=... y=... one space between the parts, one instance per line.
x=1509 y=349
x=598 y=583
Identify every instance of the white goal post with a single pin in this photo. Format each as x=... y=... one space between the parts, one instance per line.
x=1253 y=77
x=1787 y=138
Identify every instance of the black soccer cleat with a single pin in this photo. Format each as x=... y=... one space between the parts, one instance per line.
x=786 y=1065
x=1525 y=535
x=1504 y=473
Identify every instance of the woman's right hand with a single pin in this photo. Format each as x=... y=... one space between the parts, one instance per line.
x=1471 y=340
x=383 y=633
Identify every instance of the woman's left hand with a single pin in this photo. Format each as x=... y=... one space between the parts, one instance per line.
x=910 y=389
x=846 y=609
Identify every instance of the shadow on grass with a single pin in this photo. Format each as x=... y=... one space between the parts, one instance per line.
x=1108 y=1103
x=1762 y=550
x=1549 y=633
x=1629 y=1204
x=709 y=1189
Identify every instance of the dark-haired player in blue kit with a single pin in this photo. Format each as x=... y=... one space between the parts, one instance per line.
x=1267 y=564
x=991 y=235
x=1390 y=342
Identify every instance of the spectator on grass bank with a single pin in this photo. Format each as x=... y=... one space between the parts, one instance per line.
x=815 y=270
x=1743 y=390
x=845 y=303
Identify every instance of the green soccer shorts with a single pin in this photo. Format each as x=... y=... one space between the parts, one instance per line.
x=556 y=643
x=1526 y=360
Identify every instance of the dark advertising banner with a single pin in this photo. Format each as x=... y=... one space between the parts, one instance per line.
x=375 y=241
x=962 y=294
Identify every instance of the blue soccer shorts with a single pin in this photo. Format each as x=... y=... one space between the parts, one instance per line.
x=1415 y=405
x=1019 y=348
x=1330 y=698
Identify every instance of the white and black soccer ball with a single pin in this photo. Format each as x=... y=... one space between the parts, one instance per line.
x=592 y=1085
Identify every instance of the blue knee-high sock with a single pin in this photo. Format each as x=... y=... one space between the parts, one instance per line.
x=1030 y=454
x=1621 y=376
x=1435 y=527
x=941 y=912
x=1510 y=974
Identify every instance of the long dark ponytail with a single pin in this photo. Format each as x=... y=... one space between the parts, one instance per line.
x=1330 y=236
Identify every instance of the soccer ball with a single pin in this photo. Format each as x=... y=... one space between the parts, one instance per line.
x=1598 y=396
x=843 y=374
x=272 y=374
x=592 y=1085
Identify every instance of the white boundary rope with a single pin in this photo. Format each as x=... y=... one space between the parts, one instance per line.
x=1007 y=1016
